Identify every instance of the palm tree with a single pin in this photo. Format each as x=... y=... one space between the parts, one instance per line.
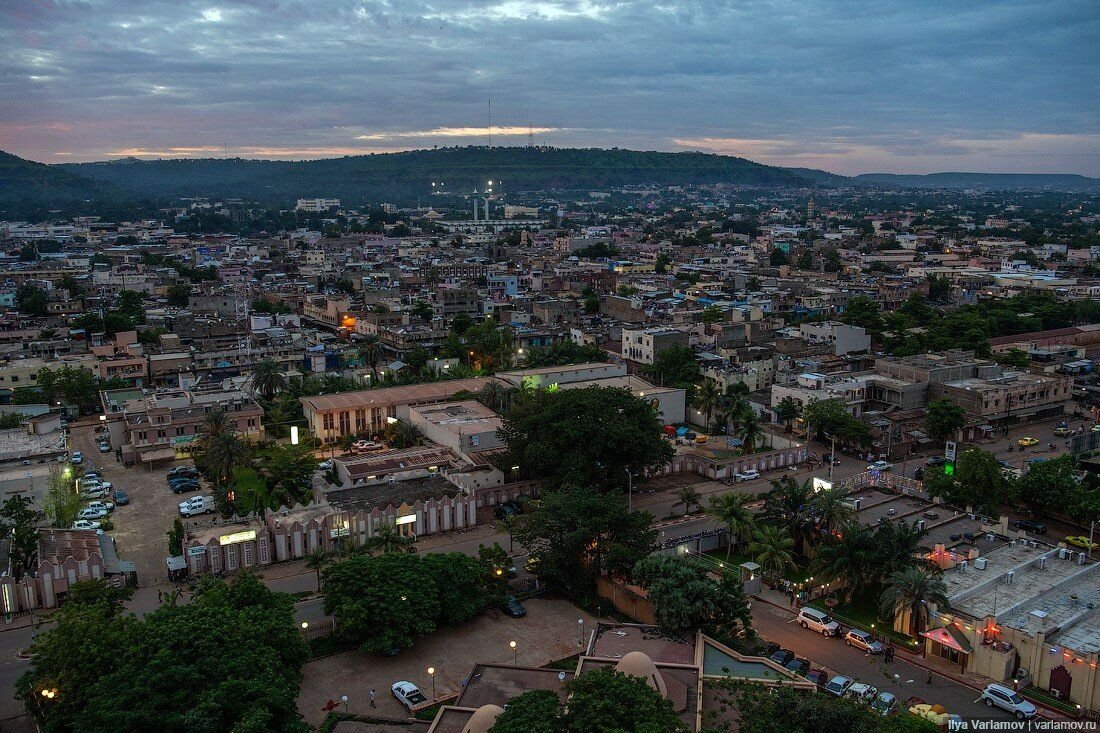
x=787 y=410
x=403 y=434
x=751 y=434
x=370 y=351
x=848 y=560
x=772 y=549
x=221 y=454
x=734 y=409
x=901 y=547
x=316 y=560
x=913 y=590
x=268 y=379
x=788 y=505
x=689 y=497
x=833 y=510
x=706 y=399
x=388 y=540
x=496 y=396
x=730 y=510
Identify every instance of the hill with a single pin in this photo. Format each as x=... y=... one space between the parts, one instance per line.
x=29 y=189
x=988 y=181
x=404 y=176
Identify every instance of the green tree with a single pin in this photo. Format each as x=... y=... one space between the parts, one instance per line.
x=561 y=353
x=577 y=533
x=832 y=260
x=778 y=257
x=382 y=602
x=977 y=483
x=460 y=583
x=675 y=366
x=179 y=296
x=287 y=471
x=388 y=540
x=688 y=497
x=687 y=597
x=1051 y=485
x=731 y=510
x=864 y=312
x=31 y=300
x=751 y=433
x=806 y=260
x=606 y=700
x=234 y=648
x=422 y=310
x=1017 y=358
x=20 y=523
x=787 y=410
x=943 y=420
x=913 y=590
x=532 y=712
x=707 y=397
x=176 y=536
x=403 y=434
x=268 y=378
x=713 y=314
x=848 y=561
x=772 y=548
x=218 y=445
x=61 y=503
x=588 y=437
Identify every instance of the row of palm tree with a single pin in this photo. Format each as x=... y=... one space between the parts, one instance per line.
x=218 y=447
x=731 y=410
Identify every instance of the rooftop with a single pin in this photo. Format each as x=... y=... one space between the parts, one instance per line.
x=410 y=394
x=460 y=417
x=390 y=493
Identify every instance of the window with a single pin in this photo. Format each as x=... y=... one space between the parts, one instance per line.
x=15 y=377
x=326 y=421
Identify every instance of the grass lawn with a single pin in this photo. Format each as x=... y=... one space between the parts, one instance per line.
x=863 y=612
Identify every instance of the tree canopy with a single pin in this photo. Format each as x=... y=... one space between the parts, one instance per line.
x=978 y=482
x=230 y=660
x=687 y=596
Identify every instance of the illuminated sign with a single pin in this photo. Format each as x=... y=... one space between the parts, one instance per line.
x=200 y=550
x=821 y=484
x=232 y=539
x=407 y=519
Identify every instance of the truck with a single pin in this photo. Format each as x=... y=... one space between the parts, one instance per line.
x=408 y=695
x=197 y=505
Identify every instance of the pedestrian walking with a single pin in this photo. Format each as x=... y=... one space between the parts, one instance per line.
x=929 y=680
x=372 y=698
x=889 y=653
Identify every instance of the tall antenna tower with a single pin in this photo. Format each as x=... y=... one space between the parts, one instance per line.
x=489 y=129
x=242 y=306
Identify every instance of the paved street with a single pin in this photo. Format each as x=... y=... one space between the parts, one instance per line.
x=778 y=626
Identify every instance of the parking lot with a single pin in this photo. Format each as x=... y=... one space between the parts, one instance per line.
x=140 y=528
x=549 y=631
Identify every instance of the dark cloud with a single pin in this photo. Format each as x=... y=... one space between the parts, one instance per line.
x=850 y=85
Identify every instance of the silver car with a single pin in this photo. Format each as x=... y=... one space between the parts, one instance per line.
x=863 y=640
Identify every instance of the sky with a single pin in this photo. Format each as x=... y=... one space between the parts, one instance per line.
x=849 y=86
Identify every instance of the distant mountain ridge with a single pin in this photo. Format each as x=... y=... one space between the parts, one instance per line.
x=989 y=181
x=27 y=187
x=403 y=176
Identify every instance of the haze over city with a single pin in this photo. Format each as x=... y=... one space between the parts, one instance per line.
x=848 y=87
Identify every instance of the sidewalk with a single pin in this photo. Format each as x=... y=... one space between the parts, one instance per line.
x=914 y=657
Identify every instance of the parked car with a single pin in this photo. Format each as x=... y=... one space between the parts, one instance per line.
x=819 y=677
x=1081 y=541
x=770 y=649
x=880 y=466
x=325 y=464
x=85 y=524
x=935 y=461
x=121 y=497
x=1060 y=432
x=1027 y=442
x=507 y=509
x=782 y=656
x=838 y=685
x=183 y=471
x=819 y=621
x=748 y=475
x=937 y=715
x=91 y=514
x=93 y=492
x=408 y=694
x=885 y=704
x=184 y=486
x=830 y=458
x=1006 y=698
x=532 y=564
x=799 y=666
x=863 y=640
x=1030 y=525
x=861 y=692
x=919 y=474
x=197 y=505
x=104 y=447
x=514 y=608
x=1095 y=428
x=106 y=506
x=78 y=458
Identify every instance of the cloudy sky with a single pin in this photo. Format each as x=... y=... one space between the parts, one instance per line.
x=849 y=86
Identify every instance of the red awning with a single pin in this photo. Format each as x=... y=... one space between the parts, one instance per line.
x=944 y=636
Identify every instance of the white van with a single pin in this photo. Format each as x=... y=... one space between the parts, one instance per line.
x=819 y=621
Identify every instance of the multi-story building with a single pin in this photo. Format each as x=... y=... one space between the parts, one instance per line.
x=843 y=339
x=1009 y=397
x=644 y=344
x=317 y=205
x=16 y=373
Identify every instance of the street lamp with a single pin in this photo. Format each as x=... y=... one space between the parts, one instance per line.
x=515 y=653
x=344 y=699
x=431 y=673
x=305 y=625
x=580 y=632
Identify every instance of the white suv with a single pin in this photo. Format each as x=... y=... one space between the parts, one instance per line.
x=1008 y=699
x=749 y=475
x=819 y=621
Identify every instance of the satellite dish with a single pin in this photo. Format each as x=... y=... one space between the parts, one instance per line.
x=561 y=676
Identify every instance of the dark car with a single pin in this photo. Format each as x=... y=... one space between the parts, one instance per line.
x=799 y=666
x=514 y=608
x=919 y=474
x=121 y=498
x=180 y=471
x=1030 y=525
x=782 y=656
x=184 y=486
x=831 y=459
x=818 y=676
x=935 y=461
x=507 y=509
x=770 y=649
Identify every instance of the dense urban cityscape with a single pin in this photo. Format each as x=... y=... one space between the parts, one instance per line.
x=503 y=436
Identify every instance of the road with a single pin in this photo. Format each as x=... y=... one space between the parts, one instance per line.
x=777 y=625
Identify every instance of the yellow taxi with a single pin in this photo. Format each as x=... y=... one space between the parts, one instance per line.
x=1027 y=442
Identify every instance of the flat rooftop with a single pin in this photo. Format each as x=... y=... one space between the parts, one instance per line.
x=613 y=641
x=389 y=493
x=988 y=592
x=409 y=394
x=1079 y=625
x=496 y=684
x=383 y=463
x=461 y=418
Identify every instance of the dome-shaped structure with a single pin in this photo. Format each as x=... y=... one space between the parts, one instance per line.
x=638 y=664
x=482 y=719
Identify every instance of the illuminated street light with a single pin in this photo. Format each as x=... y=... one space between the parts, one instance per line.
x=515 y=653
x=431 y=673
